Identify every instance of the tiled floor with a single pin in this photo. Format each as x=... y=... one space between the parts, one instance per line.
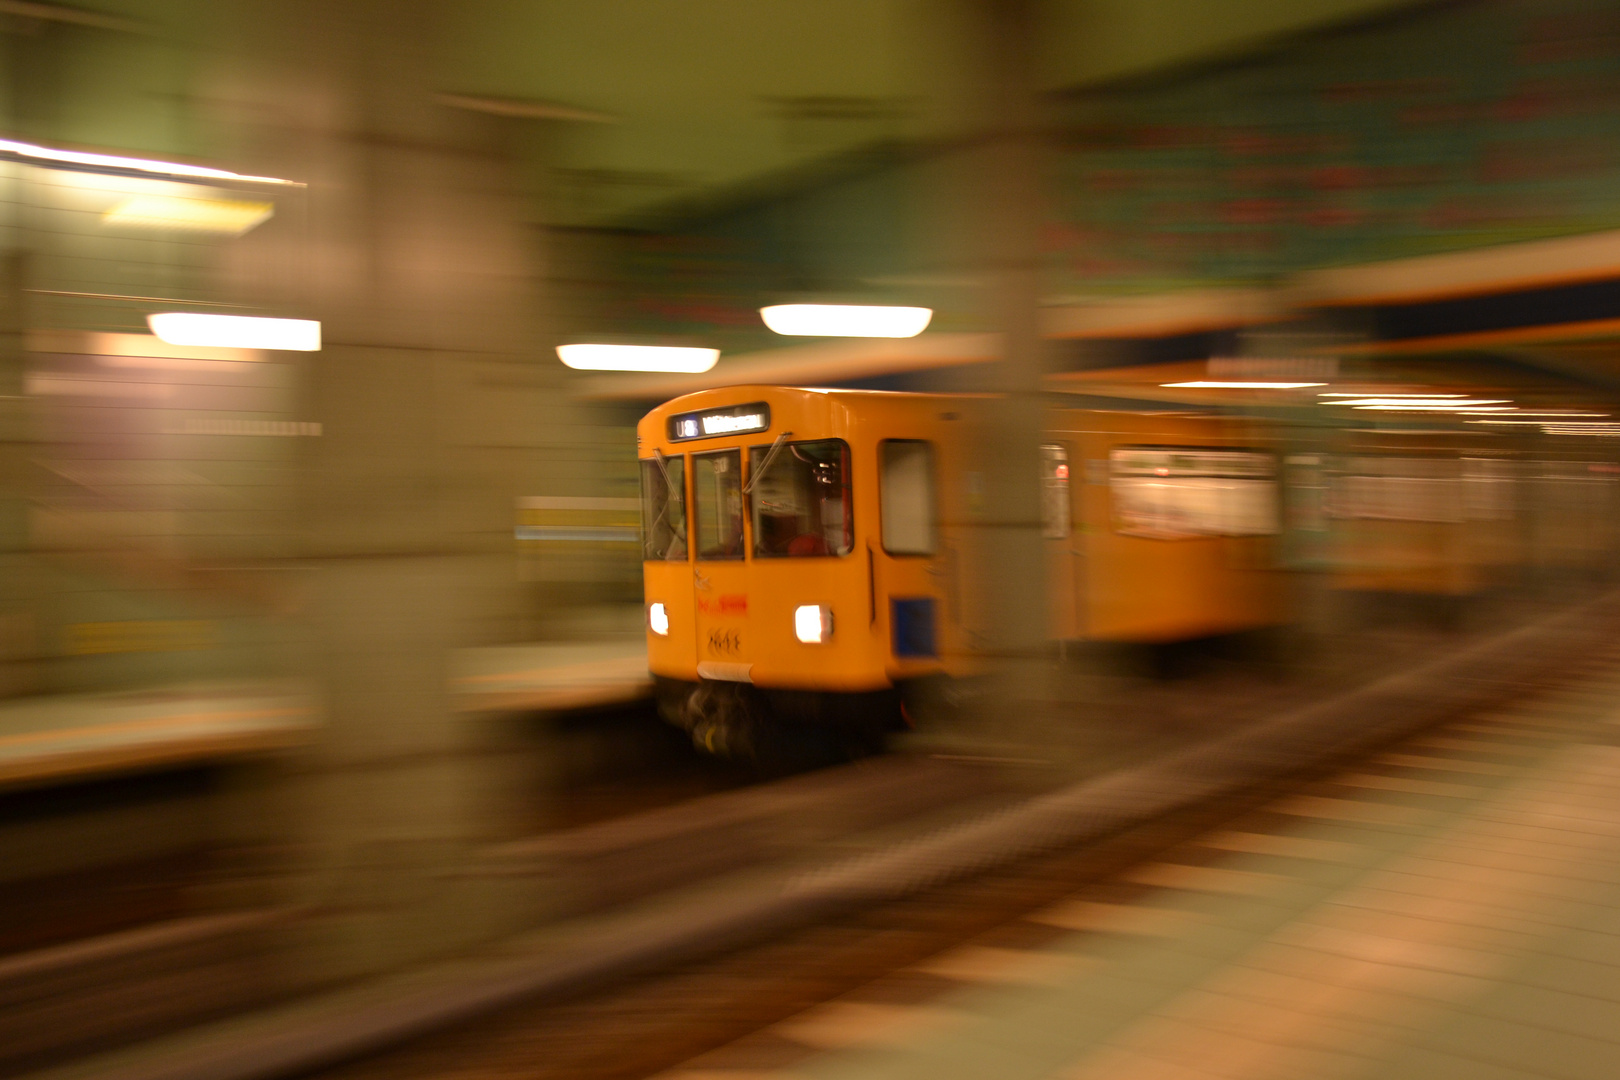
x=1449 y=909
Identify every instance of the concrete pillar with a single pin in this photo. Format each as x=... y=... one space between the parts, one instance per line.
x=1008 y=193
x=408 y=246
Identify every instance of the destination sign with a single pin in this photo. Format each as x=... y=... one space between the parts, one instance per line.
x=709 y=423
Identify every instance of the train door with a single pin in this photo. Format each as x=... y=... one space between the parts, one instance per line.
x=914 y=582
x=720 y=571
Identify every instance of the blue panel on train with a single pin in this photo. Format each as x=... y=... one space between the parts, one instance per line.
x=913 y=622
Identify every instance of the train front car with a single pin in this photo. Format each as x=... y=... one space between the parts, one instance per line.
x=795 y=562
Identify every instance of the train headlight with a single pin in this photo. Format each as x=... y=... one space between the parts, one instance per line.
x=812 y=624
x=658 y=619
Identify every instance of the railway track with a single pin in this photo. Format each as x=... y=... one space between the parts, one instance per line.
x=613 y=767
x=890 y=971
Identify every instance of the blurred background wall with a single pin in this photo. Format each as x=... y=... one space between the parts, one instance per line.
x=664 y=169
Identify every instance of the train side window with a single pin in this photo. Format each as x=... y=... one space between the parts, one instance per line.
x=1054 y=491
x=1400 y=489
x=717 y=504
x=1177 y=492
x=799 y=494
x=906 y=496
x=663 y=509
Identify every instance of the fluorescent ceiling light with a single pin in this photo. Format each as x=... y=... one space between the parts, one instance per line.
x=1211 y=384
x=229 y=217
x=1372 y=393
x=1565 y=418
x=846 y=320
x=667 y=358
x=1460 y=409
x=1408 y=403
x=236 y=331
x=44 y=154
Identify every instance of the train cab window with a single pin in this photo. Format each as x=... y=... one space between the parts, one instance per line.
x=663 y=509
x=906 y=496
x=717 y=504
x=1173 y=492
x=800 y=497
x=1054 y=491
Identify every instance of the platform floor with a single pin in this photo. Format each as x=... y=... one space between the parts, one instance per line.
x=1447 y=911
x=552 y=676
x=66 y=737
x=75 y=736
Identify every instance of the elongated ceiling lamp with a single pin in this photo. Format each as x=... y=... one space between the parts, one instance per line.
x=1404 y=402
x=659 y=358
x=236 y=331
x=49 y=156
x=225 y=217
x=1227 y=384
x=846 y=320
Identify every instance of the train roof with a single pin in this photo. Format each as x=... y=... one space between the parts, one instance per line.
x=751 y=391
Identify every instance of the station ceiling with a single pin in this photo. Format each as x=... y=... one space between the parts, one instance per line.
x=661 y=101
x=622 y=107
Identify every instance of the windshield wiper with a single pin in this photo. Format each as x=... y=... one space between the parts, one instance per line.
x=674 y=496
x=764 y=466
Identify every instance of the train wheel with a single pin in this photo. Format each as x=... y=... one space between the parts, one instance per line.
x=724 y=719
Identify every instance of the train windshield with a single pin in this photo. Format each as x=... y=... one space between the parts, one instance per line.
x=663 y=509
x=800 y=499
x=717 y=500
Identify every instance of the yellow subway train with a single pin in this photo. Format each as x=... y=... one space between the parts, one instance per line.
x=807 y=553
